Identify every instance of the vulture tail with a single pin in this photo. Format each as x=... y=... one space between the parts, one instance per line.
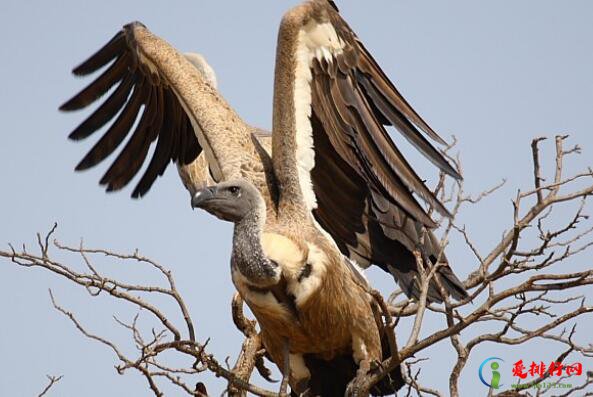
x=331 y=378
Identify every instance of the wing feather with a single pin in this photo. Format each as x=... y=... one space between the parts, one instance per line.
x=383 y=163
x=106 y=111
x=363 y=185
x=405 y=126
x=107 y=53
x=162 y=152
x=116 y=133
x=100 y=86
x=130 y=159
x=142 y=94
x=371 y=70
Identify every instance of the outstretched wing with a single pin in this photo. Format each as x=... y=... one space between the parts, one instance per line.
x=140 y=93
x=351 y=174
x=155 y=94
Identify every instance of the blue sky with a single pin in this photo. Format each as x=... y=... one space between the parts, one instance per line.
x=494 y=74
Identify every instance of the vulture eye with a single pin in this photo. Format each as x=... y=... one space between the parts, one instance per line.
x=234 y=189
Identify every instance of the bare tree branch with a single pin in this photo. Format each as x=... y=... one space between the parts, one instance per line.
x=52 y=381
x=528 y=287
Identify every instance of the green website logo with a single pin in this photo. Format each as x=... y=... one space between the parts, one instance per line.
x=494 y=366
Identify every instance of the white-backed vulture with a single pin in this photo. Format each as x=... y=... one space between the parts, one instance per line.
x=354 y=179
x=335 y=183
x=312 y=305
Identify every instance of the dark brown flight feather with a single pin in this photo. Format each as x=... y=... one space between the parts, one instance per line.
x=139 y=94
x=363 y=184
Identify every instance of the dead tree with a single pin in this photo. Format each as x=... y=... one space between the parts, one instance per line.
x=515 y=280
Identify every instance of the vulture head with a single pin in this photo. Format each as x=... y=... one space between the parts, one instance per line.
x=230 y=201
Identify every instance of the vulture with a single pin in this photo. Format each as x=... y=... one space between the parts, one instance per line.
x=358 y=185
x=336 y=190
x=314 y=307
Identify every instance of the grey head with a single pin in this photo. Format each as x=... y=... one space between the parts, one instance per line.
x=231 y=201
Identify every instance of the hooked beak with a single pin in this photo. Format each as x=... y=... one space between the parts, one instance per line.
x=202 y=197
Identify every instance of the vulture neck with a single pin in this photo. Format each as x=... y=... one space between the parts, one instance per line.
x=248 y=255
